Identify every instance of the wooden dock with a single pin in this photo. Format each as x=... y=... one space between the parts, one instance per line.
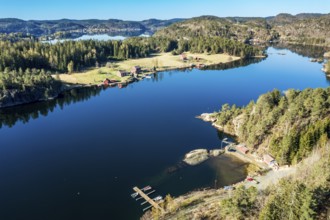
x=148 y=199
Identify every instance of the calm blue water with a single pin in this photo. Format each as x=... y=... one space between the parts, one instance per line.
x=101 y=37
x=81 y=160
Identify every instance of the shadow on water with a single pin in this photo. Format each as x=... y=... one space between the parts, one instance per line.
x=304 y=50
x=24 y=113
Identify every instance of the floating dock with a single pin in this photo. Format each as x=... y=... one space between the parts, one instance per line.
x=148 y=199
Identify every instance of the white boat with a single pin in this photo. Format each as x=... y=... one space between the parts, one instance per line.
x=148 y=77
x=146 y=188
x=134 y=195
x=158 y=198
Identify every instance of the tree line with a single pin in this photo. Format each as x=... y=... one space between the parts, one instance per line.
x=56 y=57
x=288 y=125
x=212 y=45
x=75 y=55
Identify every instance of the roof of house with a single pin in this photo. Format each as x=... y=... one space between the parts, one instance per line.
x=242 y=148
x=268 y=159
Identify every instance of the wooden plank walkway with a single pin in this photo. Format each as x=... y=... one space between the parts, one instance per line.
x=148 y=199
x=146 y=194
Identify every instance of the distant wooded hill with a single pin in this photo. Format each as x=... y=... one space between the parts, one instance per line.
x=49 y=27
x=311 y=29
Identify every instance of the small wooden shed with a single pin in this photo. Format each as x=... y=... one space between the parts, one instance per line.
x=122 y=73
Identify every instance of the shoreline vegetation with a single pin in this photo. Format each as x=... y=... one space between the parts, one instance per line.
x=296 y=130
x=95 y=76
x=307 y=184
x=158 y=62
x=27 y=64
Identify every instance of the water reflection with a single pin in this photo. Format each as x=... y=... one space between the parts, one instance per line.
x=235 y=64
x=10 y=116
x=304 y=50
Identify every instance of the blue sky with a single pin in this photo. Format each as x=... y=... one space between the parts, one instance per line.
x=162 y=9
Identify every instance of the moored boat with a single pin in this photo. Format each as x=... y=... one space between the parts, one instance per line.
x=134 y=195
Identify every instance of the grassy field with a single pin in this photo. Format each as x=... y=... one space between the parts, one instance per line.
x=163 y=61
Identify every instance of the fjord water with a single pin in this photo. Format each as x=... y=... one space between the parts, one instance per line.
x=78 y=157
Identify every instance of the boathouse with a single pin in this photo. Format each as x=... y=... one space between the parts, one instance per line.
x=106 y=82
x=242 y=149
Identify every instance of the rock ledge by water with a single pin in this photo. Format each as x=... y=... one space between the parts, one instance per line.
x=198 y=156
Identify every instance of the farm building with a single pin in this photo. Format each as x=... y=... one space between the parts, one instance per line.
x=122 y=73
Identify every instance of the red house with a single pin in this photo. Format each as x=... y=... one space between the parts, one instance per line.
x=106 y=82
x=183 y=56
x=242 y=149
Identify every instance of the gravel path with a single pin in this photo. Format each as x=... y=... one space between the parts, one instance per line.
x=272 y=177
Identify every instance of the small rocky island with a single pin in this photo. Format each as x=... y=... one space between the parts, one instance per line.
x=198 y=156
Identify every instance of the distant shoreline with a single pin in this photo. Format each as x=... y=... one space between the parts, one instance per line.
x=164 y=61
x=96 y=76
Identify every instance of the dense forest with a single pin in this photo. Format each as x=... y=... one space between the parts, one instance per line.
x=70 y=56
x=56 y=57
x=287 y=125
x=26 y=64
x=241 y=29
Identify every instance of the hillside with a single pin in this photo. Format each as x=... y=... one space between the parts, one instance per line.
x=304 y=30
x=242 y=29
x=295 y=128
x=49 y=27
x=311 y=29
x=286 y=125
